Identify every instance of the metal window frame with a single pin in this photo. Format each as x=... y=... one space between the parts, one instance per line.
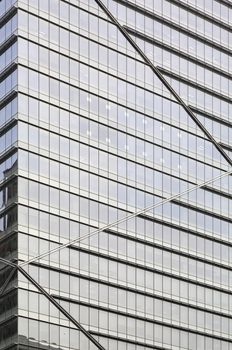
x=171 y=24
x=18 y=268
x=163 y=80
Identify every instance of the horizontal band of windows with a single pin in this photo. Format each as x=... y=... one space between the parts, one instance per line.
x=122 y=44
x=83 y=178
x=188 y=327
x=200 y=12
x=94 y=172
x=189 y=9
x=54 y=9
x=149 y=174
x=190 y=303
x=125 y=262
x=108 y=102
x=170 y=24
x=137 y=345
x=188 y=49
x=145 y=240
x=91 y=40
x=132 y=166
x=213 y=344
x=217 y=240
x=137 y=317
x=196 y=85
x=211 y=116
x=169 y=153
x=146 y=320
x=129 y=237
x=56 y=82
x=184 y=67
x=115 y=66
x=25 y=171
x=98 y=282
x=157 y=282
x=180 y=53
x=71 y=300
x=201 y=99
x=67 y=167
x=226 y=200
x=74 y=166
x=156 y=243
x=113 y=76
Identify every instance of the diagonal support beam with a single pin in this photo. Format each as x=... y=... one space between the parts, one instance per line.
x=126 y=218
x=164 y=81
x=54 y=302
x=7 y=281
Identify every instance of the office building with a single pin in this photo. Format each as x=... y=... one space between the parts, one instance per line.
x=115 y=174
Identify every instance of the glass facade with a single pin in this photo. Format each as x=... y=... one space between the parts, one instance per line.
x=115 y=174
